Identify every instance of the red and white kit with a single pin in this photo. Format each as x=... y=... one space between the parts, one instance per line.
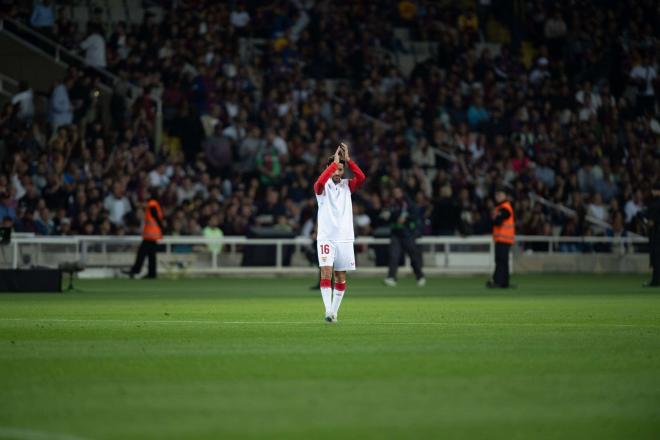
x=335 y=234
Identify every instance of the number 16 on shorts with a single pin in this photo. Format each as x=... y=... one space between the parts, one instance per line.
x=338 y=254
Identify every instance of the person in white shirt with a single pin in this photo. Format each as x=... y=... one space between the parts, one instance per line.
x=117 y=204
x=25 y=101
x=235 y=131
x=240 y=18
x=598 y=210
x=644 y=76
x=335 y=234
x=158 y=177
x=61 y=109
x=634 y=206
x=277 y=142
x=587 y=97
x=94 y=47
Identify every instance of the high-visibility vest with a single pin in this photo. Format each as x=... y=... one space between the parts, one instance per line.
x=151 y=231
x=506 y=232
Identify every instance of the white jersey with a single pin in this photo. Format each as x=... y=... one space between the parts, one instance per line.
x=335 y=218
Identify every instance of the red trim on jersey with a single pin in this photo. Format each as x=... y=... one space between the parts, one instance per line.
x=358 y=178
x=325 y=283
x=340 y=286
x=319 y=185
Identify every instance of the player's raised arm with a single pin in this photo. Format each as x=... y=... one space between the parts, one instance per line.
x=358 y=176
x=319 y=185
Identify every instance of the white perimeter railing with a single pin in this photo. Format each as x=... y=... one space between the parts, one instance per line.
x=239 y=254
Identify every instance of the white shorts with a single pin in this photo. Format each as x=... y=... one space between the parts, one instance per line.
x=341 y=255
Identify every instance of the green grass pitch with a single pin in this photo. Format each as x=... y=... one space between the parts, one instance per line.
x=558 y=357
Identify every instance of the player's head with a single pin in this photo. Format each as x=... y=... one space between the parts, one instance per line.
x=339 y=172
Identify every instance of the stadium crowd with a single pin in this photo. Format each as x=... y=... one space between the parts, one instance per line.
x=564 y=111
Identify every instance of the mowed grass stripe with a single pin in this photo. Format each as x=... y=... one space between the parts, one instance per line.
x=319 y=322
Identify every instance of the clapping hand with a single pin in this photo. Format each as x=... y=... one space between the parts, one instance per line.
x=338 y=154
x=344 y=147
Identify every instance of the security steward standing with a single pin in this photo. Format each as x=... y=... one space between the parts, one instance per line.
x=504 y=233
x=652 y=217
x=152 y=232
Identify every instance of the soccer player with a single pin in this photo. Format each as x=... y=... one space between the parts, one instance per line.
x=335 y=234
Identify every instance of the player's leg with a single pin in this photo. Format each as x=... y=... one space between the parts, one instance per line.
x=338 y=293
x=325 y=284
x=344 y=261
x=326 y=255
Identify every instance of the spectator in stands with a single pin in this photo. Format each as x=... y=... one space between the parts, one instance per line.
x=61 y=109
x=66 y=29
x=477 y=114
x=247 y=150
x=94 y=46
x=6 y=208
x=597 y=209
x=159 y=177
x=644 y=75
x=239 y=17
x=117 y=204
x=468 y=23
x=540 y=73
x=268 y=165
x=218 y=152
x=634 y=206
x=118 y=43
x=213 y=231
x=24 y=99
x=43 y=16
x=268 y=212
x=569 y=229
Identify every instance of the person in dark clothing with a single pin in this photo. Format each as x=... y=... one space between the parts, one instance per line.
x=404 y=228
x=152 y=232
x=503 y=235
x=446 y=217
x=652 y=217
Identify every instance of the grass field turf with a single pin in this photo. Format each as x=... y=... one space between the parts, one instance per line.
x=559 y=357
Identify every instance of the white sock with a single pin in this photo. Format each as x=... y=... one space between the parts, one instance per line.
x=326 y=294
x=338 y=295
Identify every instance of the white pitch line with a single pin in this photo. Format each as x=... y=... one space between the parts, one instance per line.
x=393 y=323
x=31 y=434
x=158 y=321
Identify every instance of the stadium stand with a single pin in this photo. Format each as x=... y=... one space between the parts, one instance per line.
x=560 y=107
